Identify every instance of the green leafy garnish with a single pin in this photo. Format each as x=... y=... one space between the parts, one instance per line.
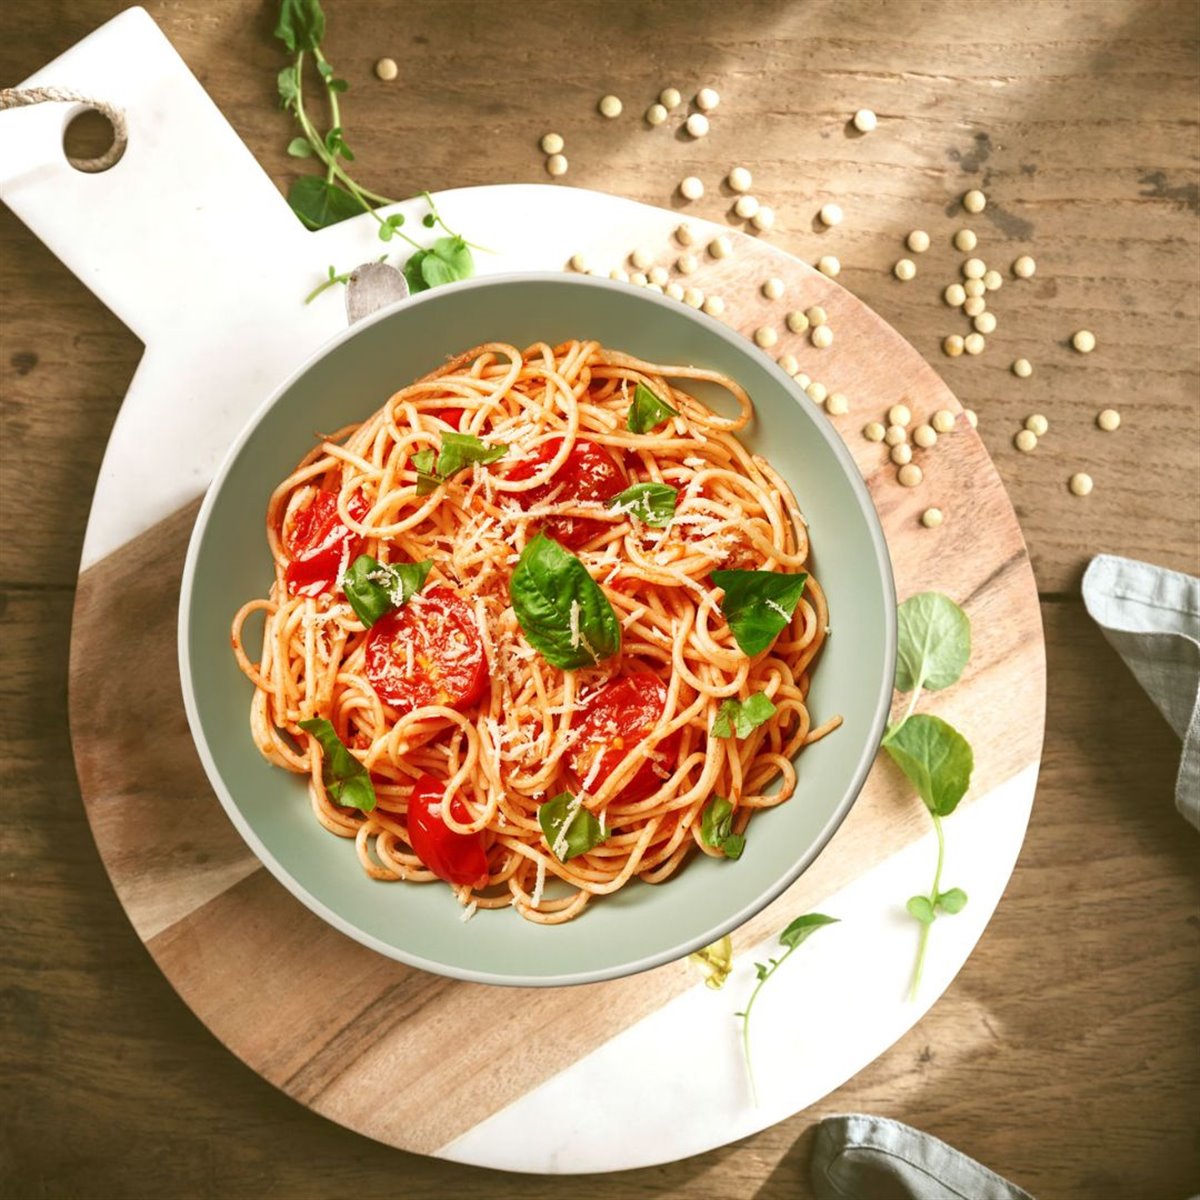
x=458 y=451
x=758 y=605
x=716 y=828
x=375 y=588
x=570 y=829
x=561 y=609
x=319 y=203
x=652 y=503
x=932 y=652
x=738 y=718
x=647 y=410
x=301 y=24
x=345 y=778
x=448 y=259
x=717 y=961
x=792 y=937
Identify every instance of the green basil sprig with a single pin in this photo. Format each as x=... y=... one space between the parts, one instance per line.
x=345 y=778
x=560 y=607
x=758 y=605
x=738 y=718
x=583 y=832
x=933 y=647
x=375 y=588
x=458 y=451
x=652 y=503
x=716 y=828
x=647 y=410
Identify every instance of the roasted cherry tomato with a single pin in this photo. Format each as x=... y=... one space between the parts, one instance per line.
x=428 y=652
x=320 y=545
x=589 y=473
x=458 y=858
x=617 y=717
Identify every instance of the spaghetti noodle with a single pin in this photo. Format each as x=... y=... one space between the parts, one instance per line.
x=466 y=728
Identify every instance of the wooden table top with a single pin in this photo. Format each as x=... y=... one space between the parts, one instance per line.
x=1067 y=1053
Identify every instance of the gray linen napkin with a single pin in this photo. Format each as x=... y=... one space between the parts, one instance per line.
x=1151 y=617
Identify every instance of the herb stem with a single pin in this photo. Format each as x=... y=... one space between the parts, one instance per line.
x=335 y=116
x=763 y=977
x=933 y=897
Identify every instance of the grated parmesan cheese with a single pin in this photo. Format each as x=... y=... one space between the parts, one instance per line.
x=469 y=912
x=536 y=899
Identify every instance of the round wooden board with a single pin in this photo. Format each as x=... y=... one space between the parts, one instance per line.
x=400 y=1055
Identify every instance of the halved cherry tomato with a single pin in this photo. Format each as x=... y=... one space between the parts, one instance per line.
x=589 y=473
x=320 y=545
x=452 y=416
x=446 y=664
x=458 y=858
x=617 y=717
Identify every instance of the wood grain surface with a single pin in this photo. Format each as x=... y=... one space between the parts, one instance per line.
x=1066 y=1053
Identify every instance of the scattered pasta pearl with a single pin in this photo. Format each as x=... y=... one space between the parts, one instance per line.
x=765 y=336
x=552 y=143
x=691 y=187
x=899 y=414
x=1037 y=425
x=974 y=201
x=696 y=125
x=905 y=269
x=556 y=164
x=830 y=214
x=687 y=264
x=803 y=381
x=972 y=417
x=953 y=345
x=974 y=343
x=1024 y=267
x=797 y=322
x=943 y=421
x=610 y=107
x=1026 y=441
x=901 y=454
x=739 y=179
x=659 y=275
x=638 y=278
x=836 y=404
x=816 y=315
x=386 y=69
x=925 y=436
x=910 y=475
x=619 y=274
x=918 y=241
x=714 y=306
x=973 y=306
x=873 y=431
x=1108 y=419
x=789 y=363
x=651 y=286
x=772 y=288
x=830 y=265
x=675 y=291
x=669 y=97
x=931 y=518
x=746 y=207
x=579 y=262
x=965 y=240
x=1084 y=341
x=1022 y=368
x=694 y=298
x=893 y=435
x=974 y=287
x=720 y=247
x=641 y=259
x=684 y=235
x=974 y=268
x=656 y=114
x=865 y=120
x=1081 y=484
x=993 y=280
x=821 y=337
x=817 y=391
x=764 y=219
x=954 y=295
x=985 y=322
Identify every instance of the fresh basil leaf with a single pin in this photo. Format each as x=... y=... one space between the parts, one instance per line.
x=345 y=778
x=447 y=260
x=300 y=147
x=647 y=410
x=301 y=24
x=953 y=901
x=375 y=588
x=716 y=828
x=803 y=927
x=758 y=605
x=652 y=503
x=570 y=829
x=288 y=83
x=919 y=907
x=561 y=608
x=933 y=642
x=738 y=718
x=319 y=203
x=936 y=757
x=460 y=450
x=427 y=480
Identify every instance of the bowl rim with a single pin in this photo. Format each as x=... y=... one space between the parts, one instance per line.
x=775 y=888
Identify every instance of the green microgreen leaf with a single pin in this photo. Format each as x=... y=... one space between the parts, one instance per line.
x=375 y=588
x=933 y=642
x=952 y=901
x=301 y=24
x=647 y=410
x=569 y=828
x=447 y=260
x=758 y=605
x=319 y=203
x=935 y=757
x=920 y=908
x=288 y=83
x=651 y=503
x=716 y=828
x=739 y=718
x=345 y=778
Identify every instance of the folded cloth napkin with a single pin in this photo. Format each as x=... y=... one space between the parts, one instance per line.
x=1151 y=617
x=857 y=1157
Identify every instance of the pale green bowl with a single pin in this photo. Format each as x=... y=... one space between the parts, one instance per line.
x=641 y=926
